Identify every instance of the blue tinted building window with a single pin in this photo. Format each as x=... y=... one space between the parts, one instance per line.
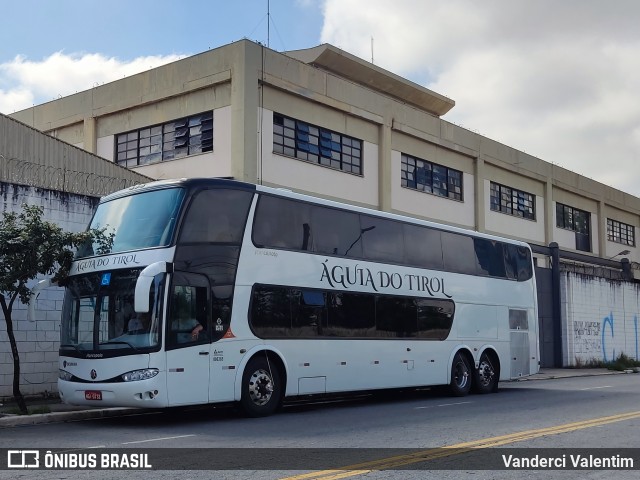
x=295 y=138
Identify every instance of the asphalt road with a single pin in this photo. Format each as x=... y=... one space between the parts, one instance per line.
x=411 y=427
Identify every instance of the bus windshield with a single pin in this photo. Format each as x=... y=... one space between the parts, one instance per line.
x=138 y=221
x=98 y=314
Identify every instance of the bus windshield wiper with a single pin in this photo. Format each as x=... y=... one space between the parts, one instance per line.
x=118 y=342
x=67 y=345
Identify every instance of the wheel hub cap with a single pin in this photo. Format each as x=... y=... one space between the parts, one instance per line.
x=260 y=387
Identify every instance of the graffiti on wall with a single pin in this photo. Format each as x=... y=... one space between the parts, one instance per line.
x=608 y=338
x=601 y=319
x=586 y=337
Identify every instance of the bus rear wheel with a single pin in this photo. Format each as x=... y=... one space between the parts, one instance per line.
x=261 y=388
x=485 y=378
x=460 y=384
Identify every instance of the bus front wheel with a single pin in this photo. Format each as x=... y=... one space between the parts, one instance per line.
x=261 y=388
x=460 y=376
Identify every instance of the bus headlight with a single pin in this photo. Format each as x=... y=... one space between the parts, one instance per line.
x=140 y=374
x=64 y=375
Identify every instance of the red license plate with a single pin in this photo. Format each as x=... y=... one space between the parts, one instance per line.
x=93 y=395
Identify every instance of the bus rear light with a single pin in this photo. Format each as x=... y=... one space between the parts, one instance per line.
x=140 y=374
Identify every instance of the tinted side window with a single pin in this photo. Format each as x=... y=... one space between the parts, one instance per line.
x=271 y=312
x=308 y=312
x=423 y=247
x=458 y=253
x=523 y=260
x=336 y=232
x=490 y=255
x=396 y=317
x=382 y=239
x=290 y=224
x=216 y=216
x=351 y=315
x=282 y=223
x=435 y=318
x=511 y=262
x=285 y=312
x=518 y=263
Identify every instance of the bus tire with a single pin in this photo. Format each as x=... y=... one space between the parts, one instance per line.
x=460 y=384
x=261 y=388
x=485 y=378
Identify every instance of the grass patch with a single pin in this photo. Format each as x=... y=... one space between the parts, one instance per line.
x=32 y=410
x=623 y=362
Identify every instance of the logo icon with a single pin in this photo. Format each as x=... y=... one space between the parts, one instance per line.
x=23 y=458
x=94 y=374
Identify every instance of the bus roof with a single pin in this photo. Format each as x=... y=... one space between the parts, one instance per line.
x=178 y=182
x=283 y=192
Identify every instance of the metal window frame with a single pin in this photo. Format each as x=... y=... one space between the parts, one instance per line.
x=448 y=182
x=620 y=232
x=294 y=142
x=574 y=212
x=505 y=199
x=163 y=131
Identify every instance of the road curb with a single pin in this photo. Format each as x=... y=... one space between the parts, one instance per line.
x=57 y=417
x=555 y=376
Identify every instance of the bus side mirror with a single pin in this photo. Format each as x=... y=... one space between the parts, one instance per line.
x=35 y=292
x=143 y=284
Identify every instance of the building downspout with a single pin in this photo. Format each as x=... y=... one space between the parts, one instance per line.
x=556 y=307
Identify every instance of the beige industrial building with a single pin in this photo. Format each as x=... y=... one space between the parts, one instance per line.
x=324 y=122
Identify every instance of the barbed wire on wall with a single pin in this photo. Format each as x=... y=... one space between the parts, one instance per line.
x=593 y=270
x=14 y=170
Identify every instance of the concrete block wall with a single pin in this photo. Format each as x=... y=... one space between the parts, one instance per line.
x=599 y=318
x=38 y=340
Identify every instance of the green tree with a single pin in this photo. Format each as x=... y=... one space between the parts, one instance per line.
x=32 y=247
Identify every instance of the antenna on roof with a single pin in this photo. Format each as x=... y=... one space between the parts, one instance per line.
x=268 y=21
x=372 y=49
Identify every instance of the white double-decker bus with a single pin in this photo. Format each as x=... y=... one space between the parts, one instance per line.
x=222 y=291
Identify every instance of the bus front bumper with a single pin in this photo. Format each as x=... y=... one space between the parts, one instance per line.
x=149 y=393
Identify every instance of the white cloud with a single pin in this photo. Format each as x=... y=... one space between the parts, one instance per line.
x=15 y=98
x=25 y=82
x=555 y=79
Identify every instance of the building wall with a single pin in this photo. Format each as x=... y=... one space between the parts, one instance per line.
x=599 y=319
x=28 y=157
x=38 y=340
x=281 y=171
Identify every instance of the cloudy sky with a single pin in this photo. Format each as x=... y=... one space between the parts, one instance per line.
x=557 y=79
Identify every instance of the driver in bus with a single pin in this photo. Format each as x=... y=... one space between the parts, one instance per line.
x=139 y=323
x=188 y=329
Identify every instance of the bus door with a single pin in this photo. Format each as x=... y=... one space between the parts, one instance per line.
x=188 y=339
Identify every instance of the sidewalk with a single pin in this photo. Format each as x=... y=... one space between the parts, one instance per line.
x=60 y=412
